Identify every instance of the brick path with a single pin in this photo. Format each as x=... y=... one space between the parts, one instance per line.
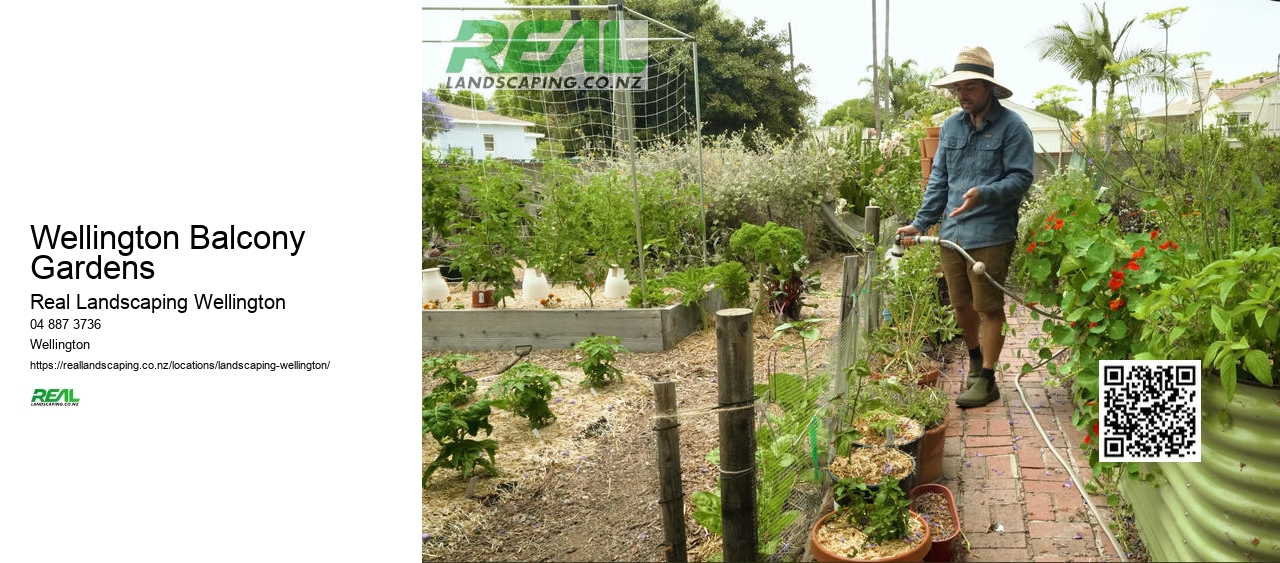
x=1017 y=502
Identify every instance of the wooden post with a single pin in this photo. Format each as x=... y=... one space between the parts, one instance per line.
x=672 y=499
x=873 y=258
x=849 y=328
x=735 y=384
x=848 y=285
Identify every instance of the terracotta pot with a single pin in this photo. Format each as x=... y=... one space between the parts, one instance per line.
x=941 y=549
x=481 y=298
x=934 y=132
x=929 y=464
x=821 y=553
x=929 y=146
x=926 y=168
x=930 y=379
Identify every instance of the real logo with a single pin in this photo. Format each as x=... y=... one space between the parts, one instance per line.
x=576 y=51
x=54 y=397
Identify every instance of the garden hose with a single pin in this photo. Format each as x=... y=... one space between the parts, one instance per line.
x=981 y=269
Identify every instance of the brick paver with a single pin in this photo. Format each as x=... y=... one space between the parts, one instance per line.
x=1017 y=503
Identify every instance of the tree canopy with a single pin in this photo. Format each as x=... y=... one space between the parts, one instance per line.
x=1090 y=54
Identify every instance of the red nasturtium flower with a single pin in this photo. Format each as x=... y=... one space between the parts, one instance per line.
x=1092 y=433
x=1092 y=324
x=1133 y=265
x=1057 y=225
x=1116 y=303
x=1140 y=253
x=1155 y=234
x=1167 y=244
x=1117 y=280
x=1031 y=248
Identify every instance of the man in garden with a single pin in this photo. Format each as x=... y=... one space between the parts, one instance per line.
x=981 y=172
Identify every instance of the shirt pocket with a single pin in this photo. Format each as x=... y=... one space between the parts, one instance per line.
x=954 y=146
x=989 y=156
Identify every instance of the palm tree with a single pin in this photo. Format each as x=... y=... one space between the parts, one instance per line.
x=1088 y=53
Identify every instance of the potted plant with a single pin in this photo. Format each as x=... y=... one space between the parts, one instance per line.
x=915 y=317
x=938 y=507
x=929 y=406
x=486 y=239
x=870 y=525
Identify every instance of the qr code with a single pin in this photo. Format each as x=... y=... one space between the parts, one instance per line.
x=1149 y=410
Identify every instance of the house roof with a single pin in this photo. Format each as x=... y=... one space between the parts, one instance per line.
x=1187 y=106
x=1233 y=91
x=463 y=114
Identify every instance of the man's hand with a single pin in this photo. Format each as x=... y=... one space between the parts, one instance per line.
x=908 y=231
x=970 y=202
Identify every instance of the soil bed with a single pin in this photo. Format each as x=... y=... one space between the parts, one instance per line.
x=587 y=490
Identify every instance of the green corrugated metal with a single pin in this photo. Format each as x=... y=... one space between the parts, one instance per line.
x=1227 y=507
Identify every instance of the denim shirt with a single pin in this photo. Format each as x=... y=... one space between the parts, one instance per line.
x=996 y=159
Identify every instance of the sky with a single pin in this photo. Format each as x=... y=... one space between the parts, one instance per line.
x=834 y=38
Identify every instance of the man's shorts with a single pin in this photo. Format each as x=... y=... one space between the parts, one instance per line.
x=965 y=286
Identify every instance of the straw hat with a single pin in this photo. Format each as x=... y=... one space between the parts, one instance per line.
x=973 y=63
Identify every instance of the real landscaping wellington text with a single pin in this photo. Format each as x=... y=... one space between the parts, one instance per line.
x=125 y=242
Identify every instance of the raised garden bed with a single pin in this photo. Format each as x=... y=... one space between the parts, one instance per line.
x=639 y=330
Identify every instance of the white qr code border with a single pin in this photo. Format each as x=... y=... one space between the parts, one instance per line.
x=1111 y=374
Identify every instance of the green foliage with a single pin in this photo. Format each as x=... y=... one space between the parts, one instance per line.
x=525 y=390
x=883 y=514
x=583 y=225
x=1054 y=100
x=1080 y=262
x=655 y=297
x=1089 y=53
x=858 y=112
x=455 y=387
x=906 y=397
x=1227 y=315
x=772 y=248
x=916 y=314
x=487 y=236
x=734 y=283
x=441 y=179
x=706 y=510
x=746 y=75
x=778 y=254
x=451 y=427
x=599 y=352
x=692 y=285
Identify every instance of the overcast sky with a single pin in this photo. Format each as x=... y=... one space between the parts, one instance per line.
x=834 y=38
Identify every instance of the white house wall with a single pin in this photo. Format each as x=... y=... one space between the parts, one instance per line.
x=509 y=141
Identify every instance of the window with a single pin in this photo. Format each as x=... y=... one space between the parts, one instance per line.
x=488 y=142
x=1234 y=121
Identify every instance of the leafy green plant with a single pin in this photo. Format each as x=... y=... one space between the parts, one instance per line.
x=883 y=514
x=441 y=179
x=454 y=387
x=1079 y=262
x=654 y=298
x=926 y=404
x=451 y=427
x=525 y=390
x=582 y=226
x=486 y=238
x=779 y=257
x=1227 y=315
x=692 y=285
x=915 y=313
x=734 y=283
x=599 y=352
